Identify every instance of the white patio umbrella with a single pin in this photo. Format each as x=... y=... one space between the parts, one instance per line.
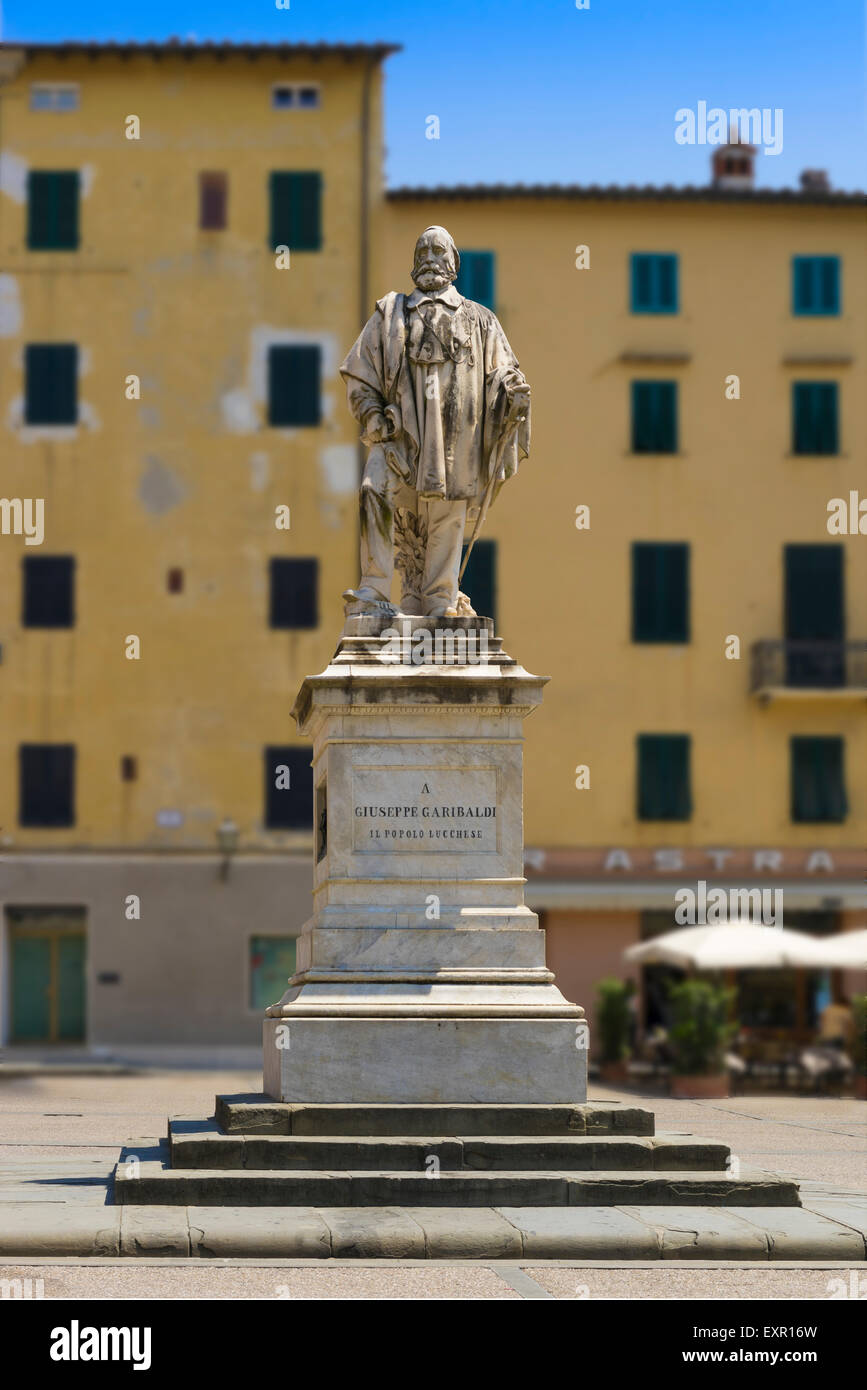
x=729 y=946
x=844 y=951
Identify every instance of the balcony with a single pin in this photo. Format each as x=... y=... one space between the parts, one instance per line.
x=808 y=669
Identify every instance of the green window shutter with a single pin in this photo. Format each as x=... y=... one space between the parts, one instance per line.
x=664 y=777
x=660 y=591
x=272 y=963
x=477 y=277
x=816 y=285
x=480 y=579
x=294 y=374
x=814 y=605
x=654 y=417
x=290 y=805
x=653 y=281
x=294 y=592
x=815 y=416
x=46 y=786
x=51 y=384
x=817 y=781
x=296 y=210
x=52 y=210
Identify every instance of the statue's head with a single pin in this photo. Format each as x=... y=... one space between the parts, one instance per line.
x=436 y=262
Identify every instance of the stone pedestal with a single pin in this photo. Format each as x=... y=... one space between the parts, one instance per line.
x=421 y=974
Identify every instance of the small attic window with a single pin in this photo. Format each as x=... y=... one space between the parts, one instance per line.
x=54 y=96
x=293 y=96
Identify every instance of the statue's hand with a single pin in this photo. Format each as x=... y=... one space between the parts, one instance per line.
x=519 y=401
x=376 y=429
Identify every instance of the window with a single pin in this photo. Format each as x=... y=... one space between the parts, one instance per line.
x=814 y=614
x=175 y=581
x=814 y=417
x=287 y=96
x=815 y=285
x=664 y=777
x=653 y=283
x=52 y=210
x=296 y=211
x=480 y=579
x=660 y=591
x=54 y=96
x=288 y=788
x=46 y=795
x=272 y=963
x=476 y=277
x=51 y=387
x=818 y=789
x=294 y=593
x=293 y=385
x=213 y=201
x=49 y=591
x=654 y=417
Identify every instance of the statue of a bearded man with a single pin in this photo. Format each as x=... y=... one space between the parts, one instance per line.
x=444 y=411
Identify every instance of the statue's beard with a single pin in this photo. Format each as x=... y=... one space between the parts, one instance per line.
x=430 y=278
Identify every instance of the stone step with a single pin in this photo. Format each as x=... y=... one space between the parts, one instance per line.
x=258 y=1114
x=196 y=1144
x=152 y=1182
x=37 y=1231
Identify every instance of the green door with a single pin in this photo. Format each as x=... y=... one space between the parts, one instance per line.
x=31 y=988
x=48 y=957
x=70 y=987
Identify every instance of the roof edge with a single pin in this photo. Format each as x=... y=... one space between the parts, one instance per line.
x=625 y=192
x=197 y=48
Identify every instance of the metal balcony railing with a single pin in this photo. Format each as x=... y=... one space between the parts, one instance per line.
x=808 y=665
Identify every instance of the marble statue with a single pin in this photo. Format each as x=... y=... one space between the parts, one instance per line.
x=444 y=410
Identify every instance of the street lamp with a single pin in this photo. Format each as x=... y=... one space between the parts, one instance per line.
x=227 y=843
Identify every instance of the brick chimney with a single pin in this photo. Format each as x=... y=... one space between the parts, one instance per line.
x=815 y=181
x=733 y=165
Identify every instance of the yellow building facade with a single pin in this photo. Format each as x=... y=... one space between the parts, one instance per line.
x=199 y=469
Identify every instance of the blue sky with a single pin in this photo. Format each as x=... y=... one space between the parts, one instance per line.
x=537 y=90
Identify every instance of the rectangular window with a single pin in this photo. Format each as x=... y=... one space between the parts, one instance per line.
x=293 y=96
x=816 y=285
x=664 y=777
x=49 y=591
x=50 y=384
x=213 y=201
x=272 y=963
x=52 y=210
x=288 y=788
x=293 y=385
x=818 y=787
x=296 y=210
x=480 y=579
x=653 y=283
x=294 y=593
x=477 y=276
x=814 y=613
x=660 y=591
x=54 y=96
x=46 y=795
x=815 y=417
x=654 y=417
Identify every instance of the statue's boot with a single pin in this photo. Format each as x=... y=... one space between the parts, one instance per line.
x=366 y=599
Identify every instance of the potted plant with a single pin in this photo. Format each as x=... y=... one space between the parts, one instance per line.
x=614 y=1022
x=859 y=1044
x=698 y=1037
